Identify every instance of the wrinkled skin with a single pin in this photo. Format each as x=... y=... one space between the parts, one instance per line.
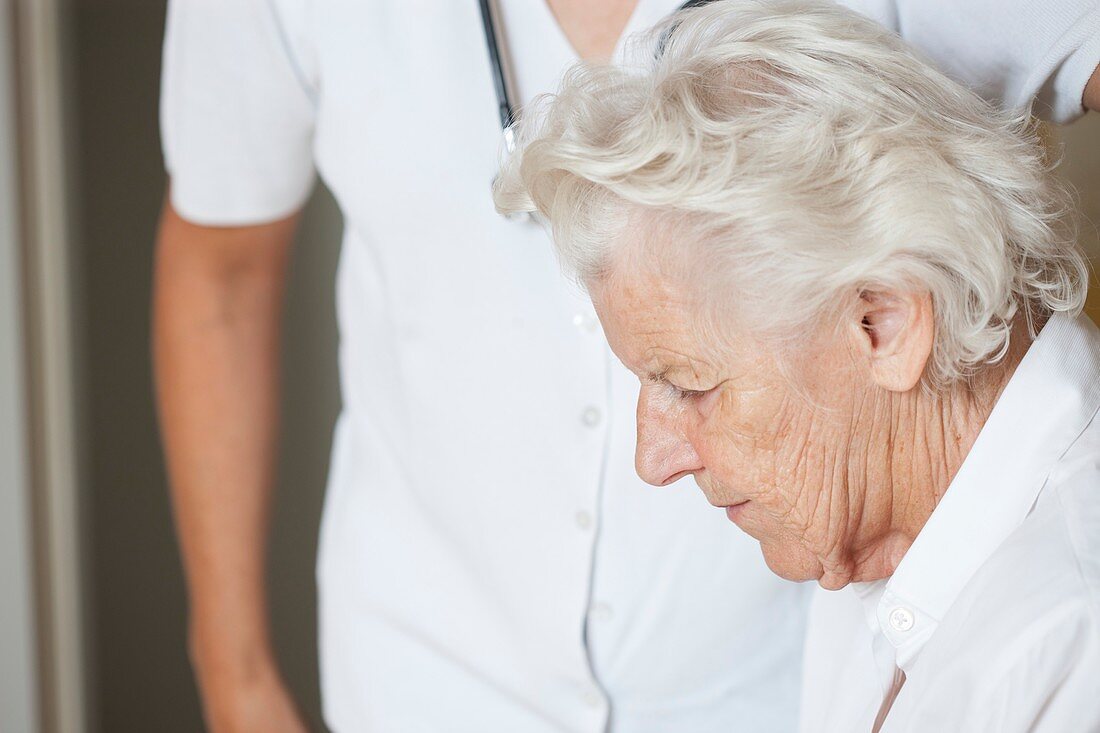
x=834 y=477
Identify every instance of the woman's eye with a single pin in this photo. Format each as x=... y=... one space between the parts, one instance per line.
x=688 y=394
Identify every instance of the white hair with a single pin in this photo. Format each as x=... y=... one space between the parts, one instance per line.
x=809 y=155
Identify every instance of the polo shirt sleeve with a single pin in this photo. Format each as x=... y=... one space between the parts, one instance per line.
x=1012 y=52
x=237 y=110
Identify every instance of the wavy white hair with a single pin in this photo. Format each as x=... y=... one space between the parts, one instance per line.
x=809 y=155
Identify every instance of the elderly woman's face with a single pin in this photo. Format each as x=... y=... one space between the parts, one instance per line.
x=716 y=406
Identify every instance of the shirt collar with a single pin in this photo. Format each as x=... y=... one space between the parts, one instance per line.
x=1049 y=400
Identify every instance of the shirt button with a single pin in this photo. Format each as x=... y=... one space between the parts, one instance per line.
x=591 y=416
x=586 y=322
x=592 y=698
x=584 y=519
x=601 y=612
x=901 y=619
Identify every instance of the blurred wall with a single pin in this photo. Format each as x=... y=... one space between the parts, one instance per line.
x=1078 y=148
x=139 y=673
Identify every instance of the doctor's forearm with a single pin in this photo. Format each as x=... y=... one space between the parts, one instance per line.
x=216 y=320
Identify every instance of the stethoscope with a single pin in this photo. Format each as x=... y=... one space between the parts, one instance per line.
x=499 y=60
x=503 y=81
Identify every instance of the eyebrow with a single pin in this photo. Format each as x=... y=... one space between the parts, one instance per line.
x=660 y=376
x=662 y=363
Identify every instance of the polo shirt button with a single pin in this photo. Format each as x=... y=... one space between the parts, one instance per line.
x=901 y=619
x=592 y=698
x=586 y=322
x=591 y=416
x=584 y=519
x=601 y=612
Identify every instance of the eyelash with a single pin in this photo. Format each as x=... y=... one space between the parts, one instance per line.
x=687 y=394
x=678 y=392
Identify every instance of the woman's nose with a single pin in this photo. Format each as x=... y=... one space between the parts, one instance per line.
x=663 y=454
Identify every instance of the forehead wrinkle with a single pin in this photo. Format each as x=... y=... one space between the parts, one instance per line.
x=661 y=312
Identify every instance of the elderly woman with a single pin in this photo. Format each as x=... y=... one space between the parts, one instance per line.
x=844 y=283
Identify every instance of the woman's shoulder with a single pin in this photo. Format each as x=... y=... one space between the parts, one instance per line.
x=1019 y=650
x=1036 y=601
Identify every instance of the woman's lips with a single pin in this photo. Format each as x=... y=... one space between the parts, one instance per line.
x=733 y=511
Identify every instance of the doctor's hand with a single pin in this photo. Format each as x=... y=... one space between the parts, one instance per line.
x=252 y=699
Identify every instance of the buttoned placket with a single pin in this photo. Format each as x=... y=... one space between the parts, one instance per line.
x=905 y=626
x=901 y=633
x=594 y=421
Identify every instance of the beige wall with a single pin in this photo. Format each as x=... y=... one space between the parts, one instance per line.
x=1080 y=154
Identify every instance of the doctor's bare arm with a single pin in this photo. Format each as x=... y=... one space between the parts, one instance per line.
x=216 y=330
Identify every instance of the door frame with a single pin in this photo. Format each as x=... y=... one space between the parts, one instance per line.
x=50 y=410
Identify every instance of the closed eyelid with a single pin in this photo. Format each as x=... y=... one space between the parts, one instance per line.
x=661 y=378
x=685 y=393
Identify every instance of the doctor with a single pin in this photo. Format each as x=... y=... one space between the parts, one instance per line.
x=488 y=560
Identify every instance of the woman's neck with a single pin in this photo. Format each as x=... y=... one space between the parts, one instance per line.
x=927 y=438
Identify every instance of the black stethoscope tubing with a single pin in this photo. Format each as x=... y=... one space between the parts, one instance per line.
x=501 y=69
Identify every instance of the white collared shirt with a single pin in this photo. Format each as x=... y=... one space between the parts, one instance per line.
x=489 y=561
x=994 y=612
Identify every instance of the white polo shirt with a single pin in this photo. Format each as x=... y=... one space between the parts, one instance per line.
x=994 y=612
x=488 y=561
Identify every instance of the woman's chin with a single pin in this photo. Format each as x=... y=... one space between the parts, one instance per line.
x=793 y=565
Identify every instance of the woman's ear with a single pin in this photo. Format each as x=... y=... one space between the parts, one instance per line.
x=894 y=331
